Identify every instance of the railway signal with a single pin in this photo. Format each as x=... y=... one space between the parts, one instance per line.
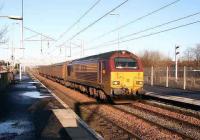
x=176 y=62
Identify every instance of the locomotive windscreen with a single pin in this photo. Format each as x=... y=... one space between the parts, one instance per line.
x=130 y=63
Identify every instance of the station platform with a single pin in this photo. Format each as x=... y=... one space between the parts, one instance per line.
x=29 y=111
x=176 y=95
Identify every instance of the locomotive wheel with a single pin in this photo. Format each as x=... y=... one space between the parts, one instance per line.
x=91 y=92
x=102 y=96
x=140 y=94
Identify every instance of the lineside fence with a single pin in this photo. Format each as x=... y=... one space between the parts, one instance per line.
x=188 y=78
x=5 y=79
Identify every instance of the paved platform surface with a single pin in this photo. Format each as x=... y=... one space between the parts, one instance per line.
x=185 y=96
x=28 y=111
x=73 y=125
x=15 y=119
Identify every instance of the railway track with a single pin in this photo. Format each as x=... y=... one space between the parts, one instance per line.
x=102 y=124
x=186 y=126
x=137 y=120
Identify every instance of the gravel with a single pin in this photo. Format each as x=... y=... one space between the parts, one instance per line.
x=134 y=124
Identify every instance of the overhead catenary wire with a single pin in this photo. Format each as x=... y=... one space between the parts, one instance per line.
x=150 y=34
x=154 y=27
x=90 y=25
x=79 y=19
x=140 y=18
x=94 y=22
x=137 y=19
x=31 y=37
x=166 y=30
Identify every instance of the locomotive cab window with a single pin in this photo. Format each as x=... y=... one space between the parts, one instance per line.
x=129 y=63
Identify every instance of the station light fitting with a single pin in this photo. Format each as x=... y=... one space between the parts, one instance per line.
x=15 y=17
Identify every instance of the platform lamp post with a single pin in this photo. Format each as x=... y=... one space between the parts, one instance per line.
x=176 y=62
x=22 y=37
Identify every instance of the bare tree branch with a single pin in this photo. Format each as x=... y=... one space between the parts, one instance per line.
x=3 y=32
x=154 y=58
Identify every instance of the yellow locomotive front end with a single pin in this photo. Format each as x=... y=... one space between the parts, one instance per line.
x=126 y=82
x=126 y=76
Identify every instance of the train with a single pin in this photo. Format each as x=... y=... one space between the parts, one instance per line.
x=103 y=76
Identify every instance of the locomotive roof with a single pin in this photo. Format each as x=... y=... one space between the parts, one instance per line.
x=102 y=55
x=61 y=63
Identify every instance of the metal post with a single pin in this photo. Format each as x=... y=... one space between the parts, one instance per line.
x=118 y=34
x=118 y=17
x=70 y=47
x=82 y=44
x=24 y=69
x=22 y=37
x=184 y=78
x=65 y=51
x=70 y=44
x=20 y=72
x=41 y=44
x=12 y=55
x=22 y=27
x=152 y=76
x=167 y=77
x=176 y=68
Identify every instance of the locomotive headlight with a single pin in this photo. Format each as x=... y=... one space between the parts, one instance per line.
x=139 y=82
x=123 y=52
x=116 y=82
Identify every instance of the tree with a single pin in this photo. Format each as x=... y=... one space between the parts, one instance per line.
x=196 y=54
x=3 y=32
x=187 y=57
x=154 y=58
x=191 y=56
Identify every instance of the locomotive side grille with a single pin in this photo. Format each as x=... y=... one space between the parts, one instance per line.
x=88 y=76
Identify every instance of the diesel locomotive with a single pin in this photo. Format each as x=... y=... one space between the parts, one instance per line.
x=103 y=76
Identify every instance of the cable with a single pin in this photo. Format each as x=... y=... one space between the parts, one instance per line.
x=40 y=33
x=137 y=19
x=166 y=30
x=31 y=37
x=154 y=27
x=95 y=4
x=62 y=34
x=90 y=25
x=148 y=14
x=147 y=35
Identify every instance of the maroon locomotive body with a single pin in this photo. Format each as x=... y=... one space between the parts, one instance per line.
x=103 y=75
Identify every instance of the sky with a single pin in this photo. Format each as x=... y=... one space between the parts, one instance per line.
x=52 y=18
